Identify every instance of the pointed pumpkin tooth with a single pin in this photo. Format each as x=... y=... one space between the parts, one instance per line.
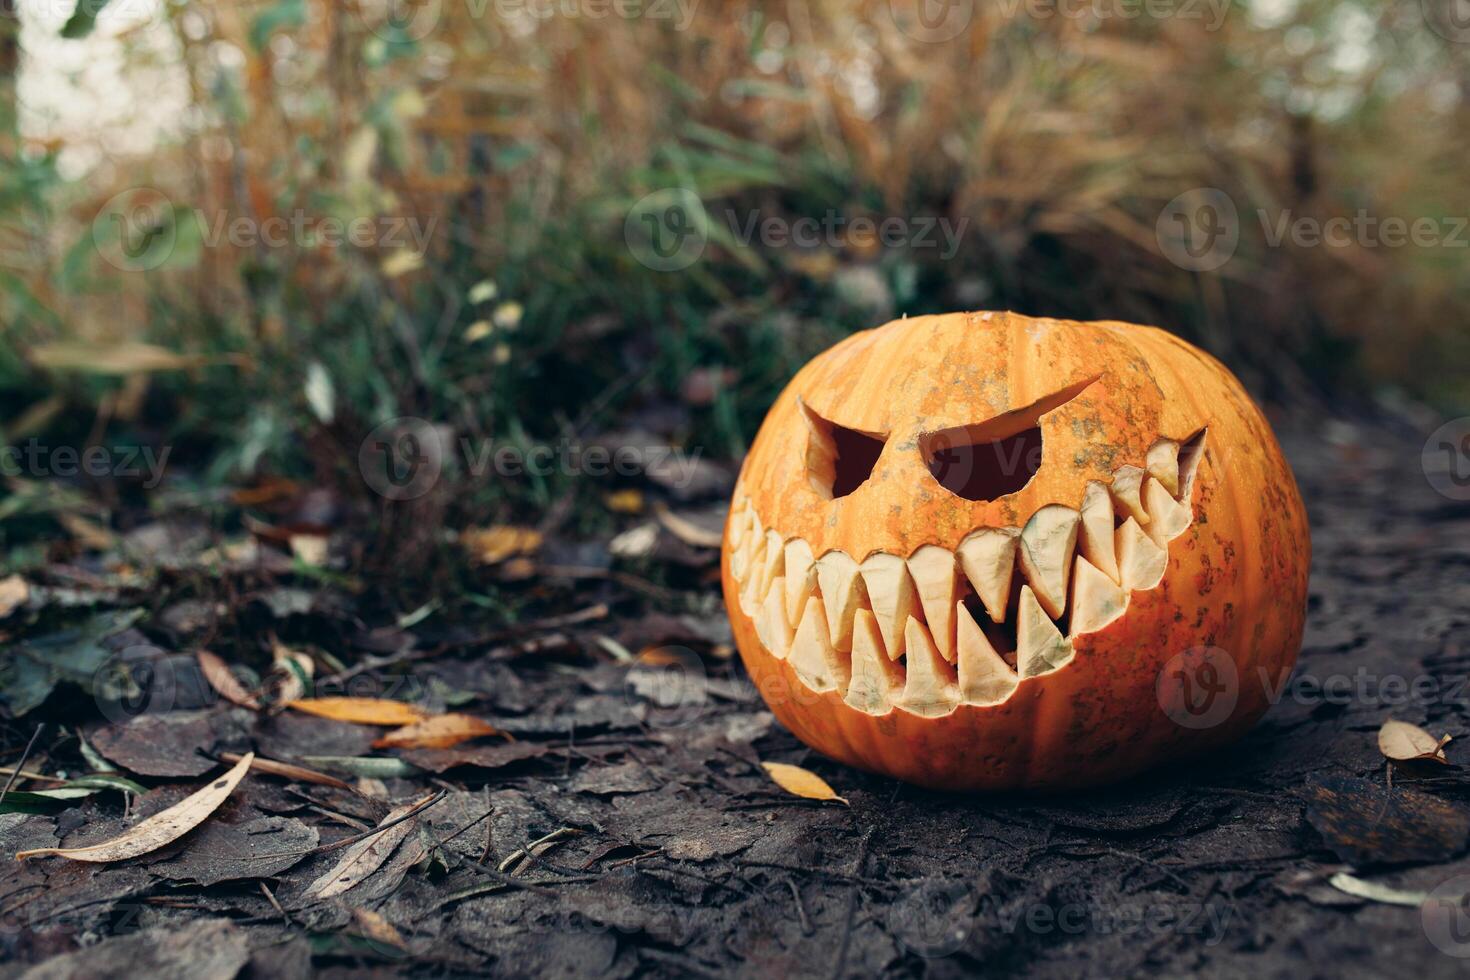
x=739 y=521
x=838 y=578
x=931 y=688
x=750 y=598
x=772 y=565
x=1163 y=464
x=1095 y=537
x=933 y=572
x=1126 y=489
x=985 y=678
x=1141 y=563
x=1096 y=599
x=819 y=666
x=801 y=575
x=988 y=557
x=1047 y=543
x=877 y=682
x=893 y=597
x=1040 y=646
x=1167 y=517
x=771 y=627
x=1190 y=456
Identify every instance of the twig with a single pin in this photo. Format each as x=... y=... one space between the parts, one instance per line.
x=22 y=763
x=529 y=851
x=277 y=905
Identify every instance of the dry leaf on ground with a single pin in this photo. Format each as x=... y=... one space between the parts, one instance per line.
x=492 y=545
x=14 y=593
x=159 y=829
x=366 y=856
x=1403 y=742
x=800 y=782
x=361 y=711
x=439 y=732
x=371 y=925
x=224 y=681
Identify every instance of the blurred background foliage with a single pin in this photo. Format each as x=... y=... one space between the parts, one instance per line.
x=517 y=137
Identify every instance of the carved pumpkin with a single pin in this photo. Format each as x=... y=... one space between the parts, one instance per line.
x=964 y=549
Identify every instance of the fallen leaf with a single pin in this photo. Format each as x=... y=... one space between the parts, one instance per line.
x=14 y=593
x=373 y=767
x=224 y=681
x=288 y=771
x=1374 y=892
x=361 y=711
x=636 y=542
x=119 y=359
x=295 y=670
x=800 y=782
x=439 y=732
x=1403 y=742
x=363 y=858
x=372 y=926
x=159 y=829
x=705 y=529
x=310 y=549
x=89 y=534
x=492 y=545
x=625 y=501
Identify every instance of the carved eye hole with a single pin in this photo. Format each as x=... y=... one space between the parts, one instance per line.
x=838 y=459
x=991 y=459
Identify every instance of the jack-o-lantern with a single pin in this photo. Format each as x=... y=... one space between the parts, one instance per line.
x=984 y=551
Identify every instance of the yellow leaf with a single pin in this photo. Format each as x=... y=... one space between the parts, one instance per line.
x=800 y=782
x=118 y=359
x=492 y=545
x=1403 y=742
x=628 y=501
x=439 y=732
x=360 y=711
x=161 y=828
x=399 y=263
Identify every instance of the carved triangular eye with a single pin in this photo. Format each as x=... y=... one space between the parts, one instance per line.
x=838 y=459
x=992 y=459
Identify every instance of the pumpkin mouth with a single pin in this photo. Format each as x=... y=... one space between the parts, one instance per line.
x=936 y=629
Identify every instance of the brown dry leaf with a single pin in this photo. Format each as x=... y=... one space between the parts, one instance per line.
x=161 y=828
x=800 y=782
x=492 y=545
x=14 y=593
x=439 y=732
x=88 y=533
x=1403 y=742
x=224 y=681
x=695 y=530
x=119 y=359
x=361 y=711
x=288 y=771
x=371 y=925
x=366 y=856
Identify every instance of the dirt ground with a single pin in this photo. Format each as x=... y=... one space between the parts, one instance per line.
x=628 y=828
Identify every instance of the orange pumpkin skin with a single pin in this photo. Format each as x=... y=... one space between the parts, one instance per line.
x=1235 y=581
